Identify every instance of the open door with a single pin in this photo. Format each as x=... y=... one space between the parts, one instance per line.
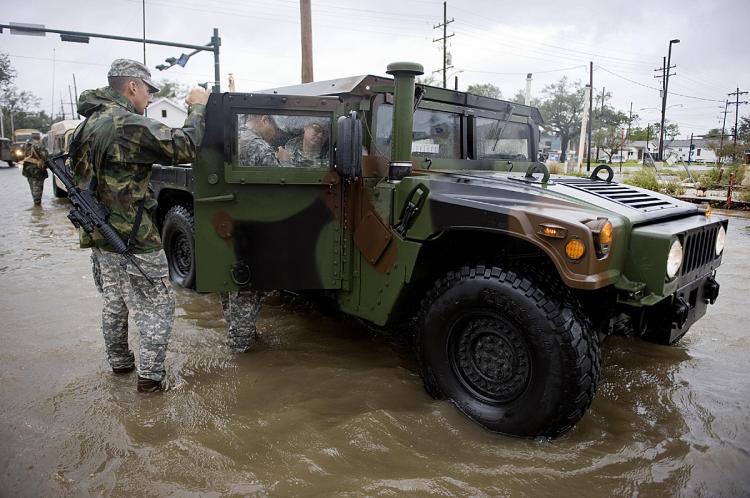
x=267 y=200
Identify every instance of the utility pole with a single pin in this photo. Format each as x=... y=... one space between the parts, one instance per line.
x=584 y=126
x=601 y=112
x=591 y=106
x=736 y=117
x=667 y=70
x=75 y=91
x=144 y=32
x=627 y=134
x=306 y=36
x=52 y=116
x=723 y=127
x=690 y=150
x=444 y=39
x=648 y=139
x=70 y=96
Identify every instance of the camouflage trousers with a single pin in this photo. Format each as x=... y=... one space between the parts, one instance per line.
x=124 y=290
x=241 y=310
x=37 y=187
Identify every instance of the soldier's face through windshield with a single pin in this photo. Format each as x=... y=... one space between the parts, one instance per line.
x=315 y=134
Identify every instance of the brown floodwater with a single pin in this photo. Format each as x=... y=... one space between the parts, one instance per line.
x=325 y=407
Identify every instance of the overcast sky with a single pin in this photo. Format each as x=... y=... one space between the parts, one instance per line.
x=495 y=42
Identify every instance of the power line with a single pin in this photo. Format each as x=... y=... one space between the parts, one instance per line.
x=526 y=72
x=656 y=89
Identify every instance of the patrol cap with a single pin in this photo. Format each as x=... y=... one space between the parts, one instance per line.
x=133 y=69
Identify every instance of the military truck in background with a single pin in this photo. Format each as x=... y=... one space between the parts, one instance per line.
x=20 y=137
x=58 y=142
x=429 y=207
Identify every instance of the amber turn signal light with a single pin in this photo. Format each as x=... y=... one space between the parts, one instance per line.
x=575 y=249
x=552 y=231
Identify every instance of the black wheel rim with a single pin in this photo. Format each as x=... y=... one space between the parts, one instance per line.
x=490 y=357
x=182 y=255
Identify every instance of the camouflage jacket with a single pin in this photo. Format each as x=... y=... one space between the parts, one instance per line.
x=299 y=158
x=119 y=147
x=254 y=151
x=33 y=163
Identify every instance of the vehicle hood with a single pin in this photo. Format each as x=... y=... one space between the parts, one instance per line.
x=569 y=196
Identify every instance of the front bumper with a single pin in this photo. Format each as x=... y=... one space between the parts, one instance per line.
x=670 y=319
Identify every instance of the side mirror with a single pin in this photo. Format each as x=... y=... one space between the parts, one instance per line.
x=349 y=147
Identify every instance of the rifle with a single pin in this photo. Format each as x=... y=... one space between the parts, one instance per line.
x=89 y=214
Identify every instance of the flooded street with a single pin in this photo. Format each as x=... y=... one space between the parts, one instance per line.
x=325 y=407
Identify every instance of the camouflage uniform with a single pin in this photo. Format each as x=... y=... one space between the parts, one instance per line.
x=254 y=151
x=118 y=148
x=241 y=311
x=125 y=289
x=299 y=158
x=34 y=169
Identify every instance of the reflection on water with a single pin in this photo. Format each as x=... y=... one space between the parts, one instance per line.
x=324 y=406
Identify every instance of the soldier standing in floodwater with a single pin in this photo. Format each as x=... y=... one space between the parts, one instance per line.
x=115 y=149
x=34 y=169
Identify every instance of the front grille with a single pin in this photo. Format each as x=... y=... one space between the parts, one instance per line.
x=699 y=248
x=622 y=194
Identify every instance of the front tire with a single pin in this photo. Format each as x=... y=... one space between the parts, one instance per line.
x=511 y=351
x=179 y=245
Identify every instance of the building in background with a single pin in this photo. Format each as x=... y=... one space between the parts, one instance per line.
x=168 y=112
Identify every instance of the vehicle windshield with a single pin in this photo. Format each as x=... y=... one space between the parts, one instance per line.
x=434 y=134
x=497 y=139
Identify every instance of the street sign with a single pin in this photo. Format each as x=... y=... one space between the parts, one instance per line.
x=17 y=28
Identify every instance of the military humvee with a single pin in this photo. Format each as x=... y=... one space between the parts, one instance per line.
x=427 y=204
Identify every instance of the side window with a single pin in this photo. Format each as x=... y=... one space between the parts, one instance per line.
x=283 y=140
x=434 y=134
x=500 y=140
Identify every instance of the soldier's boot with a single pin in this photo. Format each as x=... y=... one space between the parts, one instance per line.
x=123 y=370
x=148 y=385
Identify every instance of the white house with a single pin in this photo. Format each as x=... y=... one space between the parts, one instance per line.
x=168 y=112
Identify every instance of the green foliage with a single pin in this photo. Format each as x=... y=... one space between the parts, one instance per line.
x=22 y=105
x=561 y=109
x=646 y=178
x=486 y=90
x=7 y=73
x=171 y=89
x=520 y=98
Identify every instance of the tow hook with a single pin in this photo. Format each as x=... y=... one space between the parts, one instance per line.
x=680 y=312
x=711 y=291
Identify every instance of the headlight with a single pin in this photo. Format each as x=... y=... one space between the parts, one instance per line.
x=721 y=239
x=602 y=231
x=674 y=259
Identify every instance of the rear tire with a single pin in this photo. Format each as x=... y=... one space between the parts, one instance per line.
x=511 y=351
x=179 y=245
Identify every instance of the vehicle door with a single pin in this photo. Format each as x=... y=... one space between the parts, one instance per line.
x=267 y=200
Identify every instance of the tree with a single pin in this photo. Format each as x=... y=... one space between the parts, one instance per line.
x=427 y=80
x=171 y=89
x=7 y=73
x=486 y=90
x=608 y=128
x=520 y=98
x=744 y=129
x=14 y=102
x=561 y=108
